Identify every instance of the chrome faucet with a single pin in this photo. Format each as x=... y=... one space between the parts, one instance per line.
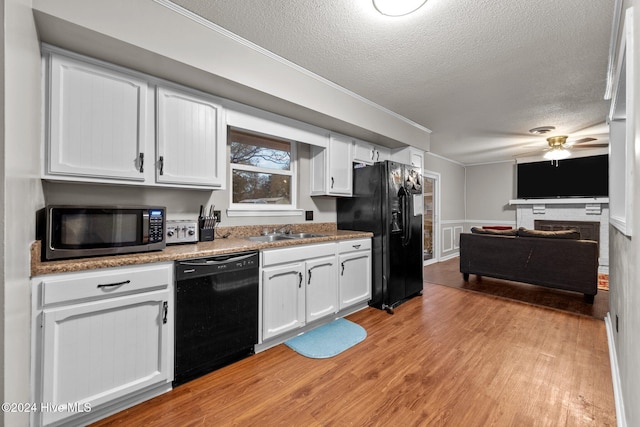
x=285 y=229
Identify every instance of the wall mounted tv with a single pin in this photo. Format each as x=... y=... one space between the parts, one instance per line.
x=577 y=177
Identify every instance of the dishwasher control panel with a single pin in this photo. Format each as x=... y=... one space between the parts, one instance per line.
x=182 y=231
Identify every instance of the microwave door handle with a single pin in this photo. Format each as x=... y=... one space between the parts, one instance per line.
x=145 y=227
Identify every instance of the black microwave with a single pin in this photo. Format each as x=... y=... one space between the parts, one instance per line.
x=84 y=231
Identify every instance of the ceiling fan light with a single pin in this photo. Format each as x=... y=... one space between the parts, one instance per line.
x=557 y=154
x=397 y=7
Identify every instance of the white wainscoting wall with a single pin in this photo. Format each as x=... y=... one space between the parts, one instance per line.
x=450 y=238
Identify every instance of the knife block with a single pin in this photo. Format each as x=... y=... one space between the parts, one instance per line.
x=206 y=234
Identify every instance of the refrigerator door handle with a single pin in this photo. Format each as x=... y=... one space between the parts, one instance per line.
x=406 y=217
x=409 y=210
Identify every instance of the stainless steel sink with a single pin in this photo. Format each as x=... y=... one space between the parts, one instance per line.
x=305 y=235
x=269 y=238
x=279 y=236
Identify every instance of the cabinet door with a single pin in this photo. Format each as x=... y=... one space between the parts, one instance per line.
x=322 y=288
x=417 y=158
x=409 y=156
x=97 y=118
x=283 y=299
x=191 y=142
x=98 y=351
x=354 y=278
x=364 y=152
x=382 y=154
x=340 y=167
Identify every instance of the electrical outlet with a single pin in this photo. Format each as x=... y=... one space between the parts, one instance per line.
x=217 y=215
x=308 y=215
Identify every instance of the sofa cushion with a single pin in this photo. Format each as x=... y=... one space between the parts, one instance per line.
x=478 y=230
x=557 y=234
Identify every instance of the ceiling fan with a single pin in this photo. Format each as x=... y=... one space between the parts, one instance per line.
x=559 y=147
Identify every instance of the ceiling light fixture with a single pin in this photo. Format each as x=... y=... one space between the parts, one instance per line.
x=397 y=7
x=557 y=149
x=557 y=154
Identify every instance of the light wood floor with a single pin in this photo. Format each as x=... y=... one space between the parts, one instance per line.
x=448 y=358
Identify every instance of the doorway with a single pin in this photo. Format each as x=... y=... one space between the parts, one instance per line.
x=431 y=218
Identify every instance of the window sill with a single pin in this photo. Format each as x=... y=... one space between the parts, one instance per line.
x=264 y=212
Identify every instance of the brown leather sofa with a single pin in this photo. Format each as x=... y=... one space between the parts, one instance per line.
x=560 y=261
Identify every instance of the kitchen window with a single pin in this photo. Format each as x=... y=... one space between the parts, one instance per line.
x=263 y=176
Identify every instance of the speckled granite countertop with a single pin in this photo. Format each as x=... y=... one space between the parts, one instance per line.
x=234 y=243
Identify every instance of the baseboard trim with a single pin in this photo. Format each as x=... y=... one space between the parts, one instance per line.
x=615 y=373
x=448 y=257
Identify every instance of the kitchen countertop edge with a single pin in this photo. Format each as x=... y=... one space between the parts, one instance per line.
x=176 y=252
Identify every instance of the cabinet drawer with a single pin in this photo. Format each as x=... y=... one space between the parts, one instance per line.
x=278 y=256
x=104 y=283
x=354 y=245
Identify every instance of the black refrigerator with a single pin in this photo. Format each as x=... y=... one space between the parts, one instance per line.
x=387 y=201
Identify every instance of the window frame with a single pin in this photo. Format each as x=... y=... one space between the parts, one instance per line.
x=259 y=209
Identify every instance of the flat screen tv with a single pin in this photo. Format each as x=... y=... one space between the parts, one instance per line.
x=577 y=177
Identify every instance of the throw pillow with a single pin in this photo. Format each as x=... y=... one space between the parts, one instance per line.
x=478 y=230
x=557 y=234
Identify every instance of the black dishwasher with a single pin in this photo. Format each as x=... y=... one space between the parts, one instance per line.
x=216 y=319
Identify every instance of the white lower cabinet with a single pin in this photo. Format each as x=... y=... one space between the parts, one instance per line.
x=354 y=264
x=299 y=286
x=304 y=284
x=321 y=288
x=283 y=299
x=101 y=337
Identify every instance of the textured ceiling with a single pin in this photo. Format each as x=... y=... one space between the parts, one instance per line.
x=478 y=73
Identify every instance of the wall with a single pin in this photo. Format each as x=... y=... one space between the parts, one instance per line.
x=489 y=189
x=22 y=195
x=624 y=255
x=452 y=202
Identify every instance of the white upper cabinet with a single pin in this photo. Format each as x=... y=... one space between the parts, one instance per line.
x=190 y=139
x=331 y=168
x=382 y=153
x=107 y=124
x=96 y=122
x=409 y=156
x=367 y=153
x=340 y=168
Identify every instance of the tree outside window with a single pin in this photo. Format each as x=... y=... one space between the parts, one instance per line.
x=261 y=170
